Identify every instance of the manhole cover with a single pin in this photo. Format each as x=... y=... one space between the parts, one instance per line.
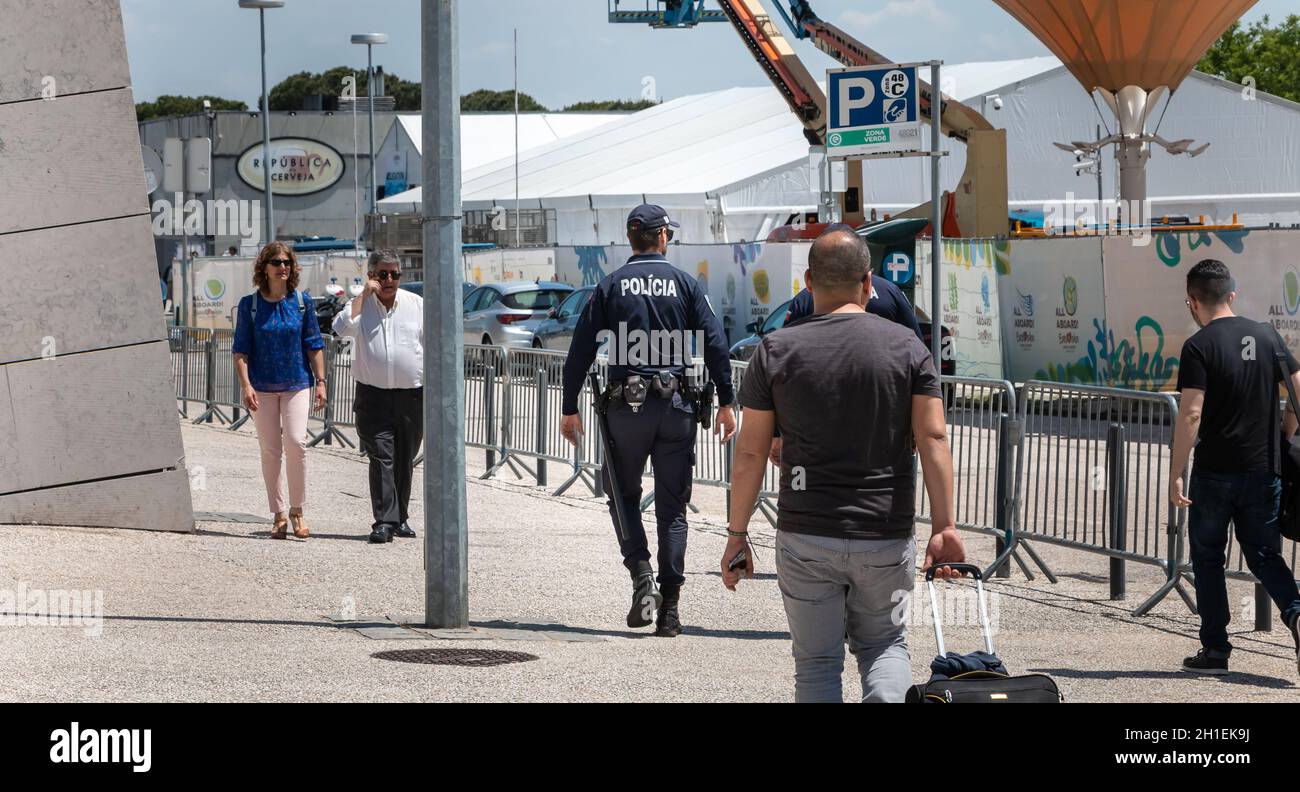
x=477 y=658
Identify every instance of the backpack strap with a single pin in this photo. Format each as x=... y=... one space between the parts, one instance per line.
x=298 y=299
x=1279 y=355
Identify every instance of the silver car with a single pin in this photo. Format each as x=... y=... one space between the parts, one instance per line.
x=508 y=314
x=556 y=331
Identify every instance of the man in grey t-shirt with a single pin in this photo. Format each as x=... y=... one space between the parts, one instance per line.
x=849 y=392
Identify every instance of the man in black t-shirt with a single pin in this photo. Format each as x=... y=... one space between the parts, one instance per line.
x=849 y=391
x=1228 y=375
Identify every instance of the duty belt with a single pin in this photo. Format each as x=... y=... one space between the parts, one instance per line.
x=633 y=391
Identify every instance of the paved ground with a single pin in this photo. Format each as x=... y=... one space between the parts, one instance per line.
x=227 y=614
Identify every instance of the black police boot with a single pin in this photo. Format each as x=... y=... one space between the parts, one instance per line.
x=645 y=598
x=668 y=625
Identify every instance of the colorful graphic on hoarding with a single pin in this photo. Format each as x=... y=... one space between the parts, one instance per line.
x=761 y=289
x=214 y=288
x=591 y=264
x=1170 y=246
x=970 y=310
x=1144 y=284
x=1055 y=288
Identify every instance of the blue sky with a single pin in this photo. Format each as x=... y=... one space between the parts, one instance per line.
x=568 y=52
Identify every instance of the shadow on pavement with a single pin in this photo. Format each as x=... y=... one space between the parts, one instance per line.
x=688 y=629
x=1252 y=680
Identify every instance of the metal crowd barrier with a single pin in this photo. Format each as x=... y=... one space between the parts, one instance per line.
x=340 y=393
x=983 y=435
x=769 y=491
x=1076 y=466
x=222 y=388
x=1092 y=474
x=485 y=378
x=189 y=356
x=534 y=386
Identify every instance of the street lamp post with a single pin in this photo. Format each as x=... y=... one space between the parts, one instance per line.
x=261 y=6
x=370 y=40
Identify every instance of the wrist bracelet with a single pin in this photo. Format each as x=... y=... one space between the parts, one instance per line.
x=737 y=534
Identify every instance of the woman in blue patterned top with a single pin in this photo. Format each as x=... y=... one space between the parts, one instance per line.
x=278 y=357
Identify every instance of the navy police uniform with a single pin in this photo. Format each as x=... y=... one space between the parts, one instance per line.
x=887 y=301
x=630 y=310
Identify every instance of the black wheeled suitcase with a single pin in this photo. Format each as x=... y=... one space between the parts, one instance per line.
x=978 y=687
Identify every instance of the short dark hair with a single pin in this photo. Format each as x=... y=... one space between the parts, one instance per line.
x=839 y=260
x=643 y=239
x=1210 y=282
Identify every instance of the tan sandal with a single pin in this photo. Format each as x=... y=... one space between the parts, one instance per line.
x=278 y=530
x=299 y=524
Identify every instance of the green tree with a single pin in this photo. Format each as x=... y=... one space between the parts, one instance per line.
x=1268 y=55
x=289 y=93
x=167 y=106
x=485 y=101
x=611 y=105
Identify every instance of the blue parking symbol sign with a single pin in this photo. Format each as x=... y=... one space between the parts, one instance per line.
x=898 y=268
x=895 y=111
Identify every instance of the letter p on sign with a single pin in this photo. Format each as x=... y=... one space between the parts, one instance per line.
x=850 y=86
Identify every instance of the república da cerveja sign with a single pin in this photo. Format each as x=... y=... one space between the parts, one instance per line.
x=299 y=166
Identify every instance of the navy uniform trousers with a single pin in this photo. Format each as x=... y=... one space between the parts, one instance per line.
x=663 y=432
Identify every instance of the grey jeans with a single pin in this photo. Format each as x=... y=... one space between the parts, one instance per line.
x=833 y=588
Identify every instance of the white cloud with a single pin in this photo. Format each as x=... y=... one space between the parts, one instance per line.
x=913 y=10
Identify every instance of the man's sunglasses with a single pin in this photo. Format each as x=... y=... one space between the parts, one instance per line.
x=386 y=274
x=278 y=263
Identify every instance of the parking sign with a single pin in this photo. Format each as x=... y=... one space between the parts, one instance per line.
x=873 y=110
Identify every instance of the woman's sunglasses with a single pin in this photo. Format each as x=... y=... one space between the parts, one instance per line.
x=278 y=263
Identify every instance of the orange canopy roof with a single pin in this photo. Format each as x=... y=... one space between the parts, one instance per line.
x=1113 y=43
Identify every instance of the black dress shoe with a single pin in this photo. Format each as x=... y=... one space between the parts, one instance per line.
x=380 y=534
x=1205 y=663
x=405 y=531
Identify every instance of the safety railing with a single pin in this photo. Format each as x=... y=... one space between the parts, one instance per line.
x=983 y=435
x=189 y=356
x=534 y=389
x=485 y=382
x=1079 y=467
x=1092 y=474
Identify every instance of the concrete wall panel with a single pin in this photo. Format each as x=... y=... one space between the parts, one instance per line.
x=95 y=289
x=72 y=160
x=78 y=43
x=155 y=501
x=88 y=416
x=89 y=435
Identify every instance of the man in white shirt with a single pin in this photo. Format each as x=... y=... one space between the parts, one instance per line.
x=387 y=327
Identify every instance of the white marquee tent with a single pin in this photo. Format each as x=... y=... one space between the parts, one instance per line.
x=718 y=161
x=488 y=137
x=731 y=164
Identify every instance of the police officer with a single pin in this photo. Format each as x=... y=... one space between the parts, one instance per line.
x=887 y=300
x=651 y=316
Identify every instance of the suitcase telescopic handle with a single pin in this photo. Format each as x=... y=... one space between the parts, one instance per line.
x=969 y=569
x=974 y=572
